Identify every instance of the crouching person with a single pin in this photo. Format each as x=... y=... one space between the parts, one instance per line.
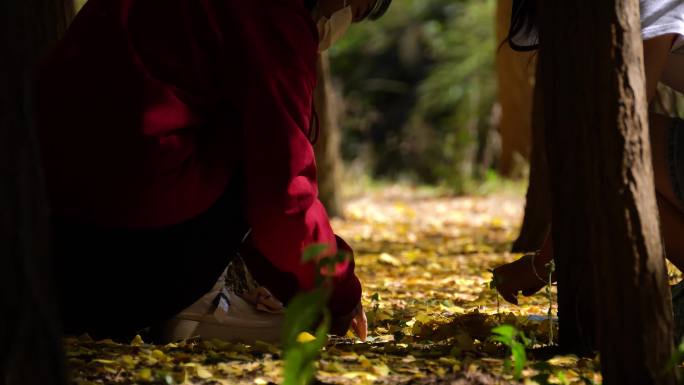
x=170 y=129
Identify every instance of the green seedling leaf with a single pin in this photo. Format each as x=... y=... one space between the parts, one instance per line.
x=314 y=251
x=516 y=342
x=520 y=358
x=304 y=311
x=504 y=334
x=302 y=314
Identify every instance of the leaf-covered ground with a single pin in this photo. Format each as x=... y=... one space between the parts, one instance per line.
x=424 y=260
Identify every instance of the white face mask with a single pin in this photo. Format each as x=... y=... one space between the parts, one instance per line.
x=330 y=30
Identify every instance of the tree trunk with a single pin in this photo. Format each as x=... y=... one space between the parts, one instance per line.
x=515 y=76
x=327 y=148
x=30 y=342
x=537 y=217
x=606 y=236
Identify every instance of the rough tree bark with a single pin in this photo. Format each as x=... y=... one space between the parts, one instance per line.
x=328 y=158
x=30 y=344
x=605 y=229
x=537 y=217
x=515 y=78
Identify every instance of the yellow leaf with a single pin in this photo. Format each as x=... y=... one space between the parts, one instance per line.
x=452 y=309
x=381 y=370
x=448 y=361
x=349 y=356
x=180 y=377
x=498 y=223
x=159 y=355
x=305 y=337
x=145 y=374
x=387 y=259
x=408 y=359
x=104 y=362
x=137 y=341
x=563 y=361
x=361 y=375
x=260 y=381
x=203 y=373
x=127 y=361
x=230 y=368
x=333 y=367
x=423 y=318
x=365 y=362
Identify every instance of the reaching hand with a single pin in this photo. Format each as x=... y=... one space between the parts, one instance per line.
x=512 y=278
x=356 y=320
x=359 y=323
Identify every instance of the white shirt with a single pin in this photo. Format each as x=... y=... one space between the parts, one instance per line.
x=663 y=17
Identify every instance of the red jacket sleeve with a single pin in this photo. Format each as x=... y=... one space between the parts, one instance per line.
x=277 y=76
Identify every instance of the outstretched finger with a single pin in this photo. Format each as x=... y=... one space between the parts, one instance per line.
x=360 y=326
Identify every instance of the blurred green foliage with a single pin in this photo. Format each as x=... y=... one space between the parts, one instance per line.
x=419 y=88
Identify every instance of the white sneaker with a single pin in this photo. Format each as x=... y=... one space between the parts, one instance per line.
x=223 y=314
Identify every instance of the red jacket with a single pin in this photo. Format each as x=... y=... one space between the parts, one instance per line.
x=149 y=109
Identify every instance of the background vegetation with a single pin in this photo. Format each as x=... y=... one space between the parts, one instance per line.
x=418 y=92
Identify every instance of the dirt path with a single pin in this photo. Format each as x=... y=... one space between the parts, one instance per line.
x=424 y=261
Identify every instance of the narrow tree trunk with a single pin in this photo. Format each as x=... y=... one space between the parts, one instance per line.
x=328 y=158
x=606 y=234
x=515 y=73
x=537 y=217
x=30 y=344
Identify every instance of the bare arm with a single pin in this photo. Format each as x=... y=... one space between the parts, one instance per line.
x=656 y=53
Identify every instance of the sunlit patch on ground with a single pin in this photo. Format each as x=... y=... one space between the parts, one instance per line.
x=424 y=260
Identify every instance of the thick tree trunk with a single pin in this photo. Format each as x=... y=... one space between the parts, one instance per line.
x=606 y=234
x=515 y=76
x=537 y=218
x=30 y=344
x=328 y=158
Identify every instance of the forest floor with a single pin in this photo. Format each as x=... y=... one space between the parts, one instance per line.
x=425 y=261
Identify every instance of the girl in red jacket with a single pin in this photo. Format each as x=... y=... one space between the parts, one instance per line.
x=170 y=130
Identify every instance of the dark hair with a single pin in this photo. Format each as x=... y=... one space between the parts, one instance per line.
x=378 y=9
x=523 y=34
